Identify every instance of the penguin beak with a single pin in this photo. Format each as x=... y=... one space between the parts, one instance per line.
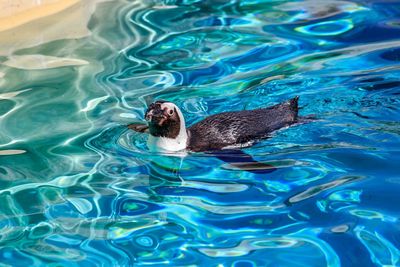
x=156 y=116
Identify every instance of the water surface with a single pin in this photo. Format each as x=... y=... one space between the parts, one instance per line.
x=78 y=189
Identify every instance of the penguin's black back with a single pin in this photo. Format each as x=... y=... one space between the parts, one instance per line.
x=240 y=127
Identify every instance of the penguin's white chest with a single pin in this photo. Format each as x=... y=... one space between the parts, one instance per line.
x=157 y=144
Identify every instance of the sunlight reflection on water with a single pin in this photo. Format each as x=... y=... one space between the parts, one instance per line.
x=78 y=188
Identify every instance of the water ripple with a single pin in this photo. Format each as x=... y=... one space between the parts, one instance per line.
x=78 y=188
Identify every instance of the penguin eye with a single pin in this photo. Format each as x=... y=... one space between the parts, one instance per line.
x=170 y=112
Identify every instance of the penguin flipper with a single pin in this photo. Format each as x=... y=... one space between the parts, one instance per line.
x=139 y=127
x=239 y=160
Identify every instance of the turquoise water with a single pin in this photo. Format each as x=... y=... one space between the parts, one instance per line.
x=78 y=189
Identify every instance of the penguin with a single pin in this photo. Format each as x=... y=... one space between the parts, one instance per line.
x=223 y=131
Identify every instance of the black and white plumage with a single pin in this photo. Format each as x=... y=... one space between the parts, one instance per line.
x=168 y=132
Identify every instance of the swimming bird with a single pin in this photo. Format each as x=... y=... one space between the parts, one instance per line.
x=168 y=133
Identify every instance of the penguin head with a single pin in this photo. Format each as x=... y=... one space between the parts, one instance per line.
x=165 y=119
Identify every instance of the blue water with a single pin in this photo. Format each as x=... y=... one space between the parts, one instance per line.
x=78 y=189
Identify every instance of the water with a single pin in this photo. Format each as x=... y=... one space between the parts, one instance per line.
x=78 y=189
